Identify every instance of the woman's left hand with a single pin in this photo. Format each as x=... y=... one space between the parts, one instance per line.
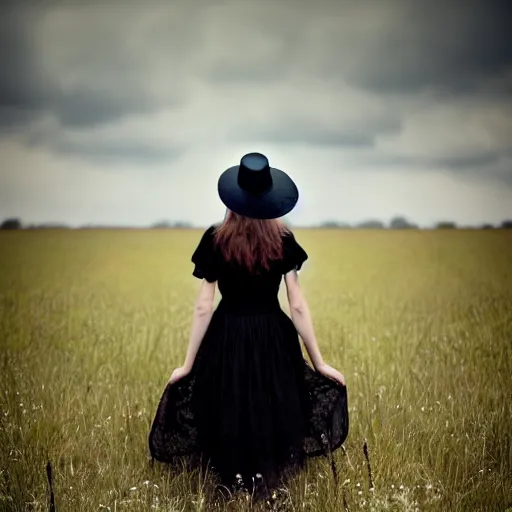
x=178 y=374
x=331 y=373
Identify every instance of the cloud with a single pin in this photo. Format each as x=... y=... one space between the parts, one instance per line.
x=91 y=64
x=115 y=152
x=17 y=63
x=127 y=140
x=302 y=113
x=384 y=46
x=349 y=90
x=463 y=137
x=449 y=47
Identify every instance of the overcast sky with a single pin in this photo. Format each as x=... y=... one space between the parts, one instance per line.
x=127 y=112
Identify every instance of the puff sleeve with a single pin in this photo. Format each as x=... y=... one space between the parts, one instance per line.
x=204 y=258
x=294 y=254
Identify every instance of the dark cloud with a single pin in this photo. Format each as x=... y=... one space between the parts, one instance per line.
x=435 y=162
x=13 y=119
x=322 y=124
x=263 y=70
x=485 y=165
x=305 y=135
x=465 y=162
x=253 y=42
x=474 y=159
x=387 y=47
x=112 y=152
x=100 y=146
x=118 y=153
x=112 y=81
x=88 y=65
x=87 y=107
x=18 y=73
x=448 y=46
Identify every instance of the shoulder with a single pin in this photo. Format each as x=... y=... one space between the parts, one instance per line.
x=289 y=239
x=287 y=233
x=213 y=229
x=205 y=258
x=207 y=241
x=208 y=234
x=205 y=244
x=294 y=254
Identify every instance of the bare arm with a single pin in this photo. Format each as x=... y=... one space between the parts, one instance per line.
x=301 y=319
x=203 y=311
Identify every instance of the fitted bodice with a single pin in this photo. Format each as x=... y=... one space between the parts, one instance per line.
x=240 y=289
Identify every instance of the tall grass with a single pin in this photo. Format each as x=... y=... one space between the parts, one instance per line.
x=92 y=324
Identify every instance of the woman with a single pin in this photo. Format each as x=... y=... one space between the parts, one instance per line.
x=245 y=400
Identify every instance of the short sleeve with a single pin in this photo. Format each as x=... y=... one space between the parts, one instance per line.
x=204 y=259
x=294 y=254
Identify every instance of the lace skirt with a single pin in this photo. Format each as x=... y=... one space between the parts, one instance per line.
x=251 y=408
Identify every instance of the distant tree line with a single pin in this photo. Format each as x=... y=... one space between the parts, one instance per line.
x=164 y=224
x=14 y=223
x=398 y=222
x=11 y=224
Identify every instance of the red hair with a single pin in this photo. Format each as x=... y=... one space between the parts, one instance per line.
x=250 y=241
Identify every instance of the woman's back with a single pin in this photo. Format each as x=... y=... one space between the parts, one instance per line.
x=239 y=286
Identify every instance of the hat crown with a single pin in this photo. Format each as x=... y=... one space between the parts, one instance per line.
x=254 y=174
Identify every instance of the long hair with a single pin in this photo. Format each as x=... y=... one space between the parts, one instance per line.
x=250 y=242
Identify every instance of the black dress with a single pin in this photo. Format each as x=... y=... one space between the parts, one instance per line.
x=251 y=405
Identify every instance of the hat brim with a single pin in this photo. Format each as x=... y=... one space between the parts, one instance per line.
x=277 y=202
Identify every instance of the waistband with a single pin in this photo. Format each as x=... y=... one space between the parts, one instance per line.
x=249 y=306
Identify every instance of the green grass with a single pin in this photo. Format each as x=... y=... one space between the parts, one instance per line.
x=92 y=324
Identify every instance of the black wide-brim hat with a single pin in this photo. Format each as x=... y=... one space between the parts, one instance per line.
x=256 y=190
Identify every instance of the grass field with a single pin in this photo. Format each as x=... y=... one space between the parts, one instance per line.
x=92 y=324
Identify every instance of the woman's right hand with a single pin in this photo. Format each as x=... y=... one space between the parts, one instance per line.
x=178 y=374
x=331 y=373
